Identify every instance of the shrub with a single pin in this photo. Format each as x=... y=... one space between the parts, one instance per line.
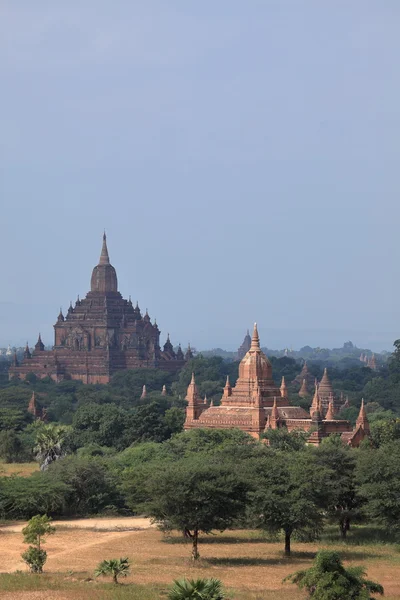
x=196 y=589
x=35 y=559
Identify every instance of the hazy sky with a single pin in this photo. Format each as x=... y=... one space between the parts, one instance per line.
x=242 y=156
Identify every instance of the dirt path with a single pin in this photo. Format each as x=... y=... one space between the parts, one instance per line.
x=96 y=523
x=77 y=552
x=76 y=540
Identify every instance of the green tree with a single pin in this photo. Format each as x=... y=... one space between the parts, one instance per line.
x=91 y=485
x=129 y=384
x=343 y=502
x=174 y=419
x=13 y=418
x=116 y=567
x=10 y=446
x=208 y=441
x=196 y=589
x=327 y=579
x=192 y=496
x=34 y=533
x=103 y=424
x=378 y=473
x=288 y=492
x=147 y=422
x=51 y=444
x=282 y=439
x=211 y=375
x=384 y=431
x=24 y=497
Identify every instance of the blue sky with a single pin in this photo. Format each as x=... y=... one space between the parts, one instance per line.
x=242 y=156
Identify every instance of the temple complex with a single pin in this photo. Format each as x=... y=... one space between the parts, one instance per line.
x=100 y=335
x=256 y=404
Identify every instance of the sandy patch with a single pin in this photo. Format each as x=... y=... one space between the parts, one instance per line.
x=100 y=524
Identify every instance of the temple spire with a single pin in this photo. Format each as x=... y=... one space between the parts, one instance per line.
x=330 y=415
x=362 y=419
x=39 y=346
x=32 y=406
x=228 y=387
x=104 y=258
x=274 y=418
x=315 y=401
x=303 y=390
x=188 y=353
x=255 y=340
x=27 y=352
x=284 y=392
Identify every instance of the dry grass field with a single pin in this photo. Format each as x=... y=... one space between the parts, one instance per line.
x=250 y=567
x=22 y=469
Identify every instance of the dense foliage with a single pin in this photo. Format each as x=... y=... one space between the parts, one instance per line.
x=111 y=449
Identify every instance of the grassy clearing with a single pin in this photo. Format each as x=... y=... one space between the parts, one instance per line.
x=22 y=469
x=74 y=586
x=251 y=566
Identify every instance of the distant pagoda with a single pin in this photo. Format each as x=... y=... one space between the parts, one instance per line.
x=304 y=375
x=245 y=346
x=99 y=336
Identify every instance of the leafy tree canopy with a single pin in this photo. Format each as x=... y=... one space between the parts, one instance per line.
x=193 y=497
x=282 y=439
x=378 y=473
x=288 y=493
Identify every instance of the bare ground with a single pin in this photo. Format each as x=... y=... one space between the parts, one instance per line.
x=240 y=559
x=99 y=524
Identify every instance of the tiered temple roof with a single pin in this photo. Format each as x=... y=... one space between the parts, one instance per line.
x=99 y=335
x=256 y=404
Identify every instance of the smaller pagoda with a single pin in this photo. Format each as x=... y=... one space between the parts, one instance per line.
x=245 y=346
x=256 y=404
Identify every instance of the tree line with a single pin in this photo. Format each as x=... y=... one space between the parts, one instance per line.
x=205 y=480
x=118 y=415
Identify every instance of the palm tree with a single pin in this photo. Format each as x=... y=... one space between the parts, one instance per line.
x=196 y=589
x=50 y=444
x=328 y=579
x=117 y=567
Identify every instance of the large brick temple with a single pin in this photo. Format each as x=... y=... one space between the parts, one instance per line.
x=256 y=404
x=102 y=334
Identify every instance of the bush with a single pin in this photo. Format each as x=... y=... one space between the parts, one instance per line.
x=196 y=589
x=35 y=559
x=116 y=567
x=24 y=497
x=91 y=485
x=329 y=580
